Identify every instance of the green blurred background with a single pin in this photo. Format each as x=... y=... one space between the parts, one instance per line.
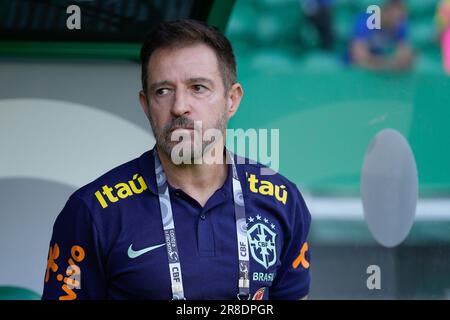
x=328 y=112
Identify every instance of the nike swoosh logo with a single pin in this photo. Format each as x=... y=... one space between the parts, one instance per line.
x=134 y=254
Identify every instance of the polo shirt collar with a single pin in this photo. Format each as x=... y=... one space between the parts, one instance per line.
x=147 y=169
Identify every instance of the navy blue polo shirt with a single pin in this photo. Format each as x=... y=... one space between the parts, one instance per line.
x=108 y=241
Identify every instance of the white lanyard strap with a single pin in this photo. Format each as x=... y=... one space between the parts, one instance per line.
x=241 y=231
x=169 y=231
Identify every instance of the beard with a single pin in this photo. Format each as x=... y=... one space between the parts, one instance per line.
x=166 y=142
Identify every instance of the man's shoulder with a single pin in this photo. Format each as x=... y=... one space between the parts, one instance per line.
x=360 y=25
x=361 y=18
x=121 y=175
x=263 y=171
x=262 y=179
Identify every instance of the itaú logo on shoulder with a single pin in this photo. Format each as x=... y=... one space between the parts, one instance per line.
x=121 y=190
x=267 y=188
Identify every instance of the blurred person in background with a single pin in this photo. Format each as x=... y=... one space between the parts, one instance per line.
x=443 y=28
x=319 y=14
x=386 y=48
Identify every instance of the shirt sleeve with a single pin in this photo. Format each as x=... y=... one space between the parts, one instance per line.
x=293 y=278
x=402 y=32
x=74 y=267
x=360 y=30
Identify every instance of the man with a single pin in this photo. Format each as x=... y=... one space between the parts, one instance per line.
x=154 y=228
x=384 y=49
x=319 y=14
x=443 y=31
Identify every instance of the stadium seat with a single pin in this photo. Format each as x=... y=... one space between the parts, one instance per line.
x=17 y=293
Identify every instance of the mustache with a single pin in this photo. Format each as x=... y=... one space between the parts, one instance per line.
x=180 y=122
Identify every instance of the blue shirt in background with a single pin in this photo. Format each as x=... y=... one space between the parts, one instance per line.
x=380 y=41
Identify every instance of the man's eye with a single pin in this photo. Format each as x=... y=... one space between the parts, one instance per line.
x=162 y=92
x=198 y=88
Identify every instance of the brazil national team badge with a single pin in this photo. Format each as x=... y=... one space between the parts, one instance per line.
x=262 y=240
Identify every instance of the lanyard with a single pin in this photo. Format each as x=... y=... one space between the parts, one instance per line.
x=171 y=241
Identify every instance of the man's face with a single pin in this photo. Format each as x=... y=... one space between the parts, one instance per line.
x=393 y=15
x=185 y=85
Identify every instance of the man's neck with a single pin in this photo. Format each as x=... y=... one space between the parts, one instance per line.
x=199 y=181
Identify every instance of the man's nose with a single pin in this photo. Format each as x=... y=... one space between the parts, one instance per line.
x=180 y=104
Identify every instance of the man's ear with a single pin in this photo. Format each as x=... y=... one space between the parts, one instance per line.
x=144 y=103
x=234 y=97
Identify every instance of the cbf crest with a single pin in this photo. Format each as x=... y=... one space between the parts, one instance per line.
x=262 y=240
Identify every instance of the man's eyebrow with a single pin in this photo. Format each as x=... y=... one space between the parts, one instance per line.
x=158 y=84
x=201 y=79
